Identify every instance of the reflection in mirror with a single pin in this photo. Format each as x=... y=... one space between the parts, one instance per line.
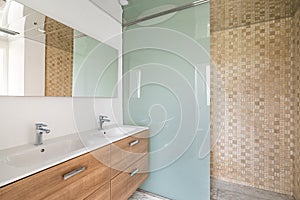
x=101 y=72
x=42 y=57
x=59 y=58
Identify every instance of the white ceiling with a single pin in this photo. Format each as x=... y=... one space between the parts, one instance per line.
x=111 y=7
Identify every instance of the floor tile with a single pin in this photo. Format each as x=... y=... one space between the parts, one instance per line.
x=143 y=195
x=221 y=190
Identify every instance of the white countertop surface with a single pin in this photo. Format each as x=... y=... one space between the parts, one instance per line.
x=15 y=166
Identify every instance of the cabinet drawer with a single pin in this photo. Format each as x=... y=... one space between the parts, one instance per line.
x=126 y=183
x=103 y=193
x=142 y=146
x=50 y=183
x=128 y=151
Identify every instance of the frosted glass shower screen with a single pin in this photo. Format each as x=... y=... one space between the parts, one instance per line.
x=165 y=74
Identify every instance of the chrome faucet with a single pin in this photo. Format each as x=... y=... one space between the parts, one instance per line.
x=102 y=119
x=40 y=130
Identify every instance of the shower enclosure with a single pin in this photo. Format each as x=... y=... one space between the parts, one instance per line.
x=166 y=70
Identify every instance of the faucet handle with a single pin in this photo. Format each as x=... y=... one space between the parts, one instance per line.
x=102 y=116
x=40 y=124
x=47 y=130
x=42 y=127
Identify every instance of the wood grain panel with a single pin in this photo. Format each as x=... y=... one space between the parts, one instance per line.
x=49 y=184
x=102 y=193
x=123 y=155
x=124 y=185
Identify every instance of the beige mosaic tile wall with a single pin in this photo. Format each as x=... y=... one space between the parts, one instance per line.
x=59 y=59
x=252 y=103
x=296 y=91
x=227 y=14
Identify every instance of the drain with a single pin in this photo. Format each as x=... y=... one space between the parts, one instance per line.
x=42 y=150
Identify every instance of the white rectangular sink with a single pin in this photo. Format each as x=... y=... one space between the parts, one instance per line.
x=43 y=153
x=96 y=138
x=117 y=131
x=19 y=162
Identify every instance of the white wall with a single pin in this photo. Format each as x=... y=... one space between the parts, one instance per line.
x=3 y=68
x=63 y=115
x=34 y=69
x=26 y=76
x=15 y=71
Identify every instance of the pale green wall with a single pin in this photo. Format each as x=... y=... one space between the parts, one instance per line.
x=95 y=68
x=170 y=63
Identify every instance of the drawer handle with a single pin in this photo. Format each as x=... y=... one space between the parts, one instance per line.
x=74 y=172
x=134 y=143
x=134 y=172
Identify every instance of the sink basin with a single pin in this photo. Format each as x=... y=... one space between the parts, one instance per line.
x=109 y=134
x=24 y=160
x=58 y=148
x=43 y=153
x=117 y=131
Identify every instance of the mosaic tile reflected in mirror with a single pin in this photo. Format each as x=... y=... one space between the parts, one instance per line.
x=66 y=62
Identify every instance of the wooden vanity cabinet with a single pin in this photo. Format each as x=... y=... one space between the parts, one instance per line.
x=51 y=184
x=103 y=193
x=111 y=172
x=129 y=159
x=128 y=151
x=127 y=182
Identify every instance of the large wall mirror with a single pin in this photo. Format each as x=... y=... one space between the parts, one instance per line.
x=43 y=57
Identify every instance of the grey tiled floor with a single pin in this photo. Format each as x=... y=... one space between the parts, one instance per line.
x=142 y=195
x=221 y=190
